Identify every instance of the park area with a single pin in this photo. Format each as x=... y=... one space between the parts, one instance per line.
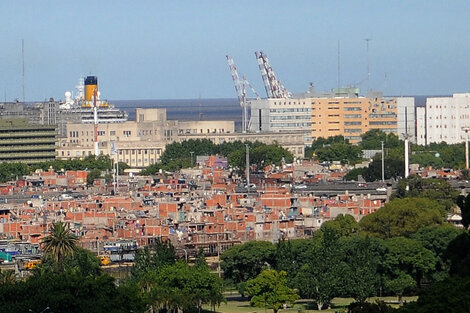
x=237 y=304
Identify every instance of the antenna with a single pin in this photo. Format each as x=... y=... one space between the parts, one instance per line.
x=367 y=62
x=22 y=56
x=339 y=67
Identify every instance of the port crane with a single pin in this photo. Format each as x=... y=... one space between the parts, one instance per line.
x=240 y=88
x=274 y=88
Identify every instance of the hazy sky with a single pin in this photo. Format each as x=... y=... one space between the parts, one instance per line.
x=176 y=49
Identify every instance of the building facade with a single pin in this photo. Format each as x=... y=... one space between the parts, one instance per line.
x=23 y=142
x=326 y=116
x=138 y=143
x=444 y=119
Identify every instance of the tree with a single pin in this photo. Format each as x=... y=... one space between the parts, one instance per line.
x=292 y=254
x=439 y=190
x=82 y=262
x=436 y=239
x=394 y=167
x=323 y=277
x=402 y=217
x=406 y=256
x=60 y=243
x=92 y=175
x=243 y=262
x=341 y=226
x=152 y=257
x=458 y=253
x=7 y=277
x=69 y=292
x=464 y=204
x=362 y=255
x=372 y=140
x=449 y=295
x=401 y=283
x=269 y=290
x=181 y=287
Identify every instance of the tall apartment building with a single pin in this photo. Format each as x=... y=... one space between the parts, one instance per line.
x=443 y=119
x=23 y=142
x=326 y=115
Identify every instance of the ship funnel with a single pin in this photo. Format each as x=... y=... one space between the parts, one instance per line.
x=91 y=83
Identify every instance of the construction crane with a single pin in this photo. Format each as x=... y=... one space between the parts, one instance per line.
x=274 y=88
x=240 y=88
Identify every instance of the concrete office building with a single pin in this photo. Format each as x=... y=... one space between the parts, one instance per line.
x=23 y=142
x=138 y=143
x=444 y=119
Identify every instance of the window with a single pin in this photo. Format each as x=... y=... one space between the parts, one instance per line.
x=126 y=133
x=112 y=133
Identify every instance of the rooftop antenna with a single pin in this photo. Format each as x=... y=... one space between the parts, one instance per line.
x=367 y=62
x=339 y=67
x=22 y=56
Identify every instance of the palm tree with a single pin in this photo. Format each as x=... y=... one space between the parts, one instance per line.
x=7 y=277
x=60 y=243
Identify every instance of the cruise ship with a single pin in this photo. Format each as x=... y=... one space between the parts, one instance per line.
x=81 y=106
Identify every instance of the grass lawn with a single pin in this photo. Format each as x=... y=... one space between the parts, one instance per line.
x=237 y=305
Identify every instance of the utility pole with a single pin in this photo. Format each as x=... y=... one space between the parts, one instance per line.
x=367 y=61
x=466 y=129
x=383 y=163
x=247 y=165
x=407 y=156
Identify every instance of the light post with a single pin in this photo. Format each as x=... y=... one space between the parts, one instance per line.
x=466 y=129
x=192 y=152
x=383 y=170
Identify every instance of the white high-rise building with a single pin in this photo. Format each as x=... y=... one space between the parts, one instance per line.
x=444 y=119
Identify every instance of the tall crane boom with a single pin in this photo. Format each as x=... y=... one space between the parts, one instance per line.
x=274 y=88
x=240 y=88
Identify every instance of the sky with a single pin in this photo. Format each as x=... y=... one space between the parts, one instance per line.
x=176 y=49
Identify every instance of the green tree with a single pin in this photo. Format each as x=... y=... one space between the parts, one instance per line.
x=458 y=254
x=372 y=140
x=92 y=175
x=292 y=254
x=82 y=262
x=450 y=295
x=243 y=262
x=401 y=283
x=407 y=256
x=69 y=292
x=354 y=173
x=436 y=239
x=341 y=226
x=394 y=167
x=323 y=277
x=464 y=204
x=152 y=257
x=60 y=243
x=402 y=217
x=362 y=256
x=431 y=188
x=269 y=290
x=7 y=277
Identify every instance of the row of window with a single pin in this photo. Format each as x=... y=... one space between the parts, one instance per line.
x=290 y=110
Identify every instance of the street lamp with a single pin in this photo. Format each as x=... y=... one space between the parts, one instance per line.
x=192 y=152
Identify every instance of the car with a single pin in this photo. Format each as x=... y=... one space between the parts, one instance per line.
x=381 y=189
x=301 y=186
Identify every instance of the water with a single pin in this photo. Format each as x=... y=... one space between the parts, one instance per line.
x=187 y=109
